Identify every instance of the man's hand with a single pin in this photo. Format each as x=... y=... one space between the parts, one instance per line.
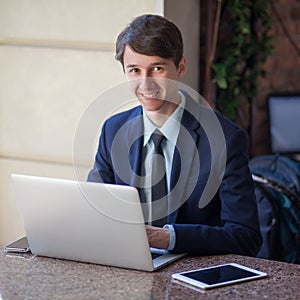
x=158 y=237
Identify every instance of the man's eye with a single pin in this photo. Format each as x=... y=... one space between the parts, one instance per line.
x=157 y=68
x=134 y=70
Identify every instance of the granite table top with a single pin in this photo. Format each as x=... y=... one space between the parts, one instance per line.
x=25 y=276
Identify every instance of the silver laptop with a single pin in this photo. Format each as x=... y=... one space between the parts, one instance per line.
x=89 y=222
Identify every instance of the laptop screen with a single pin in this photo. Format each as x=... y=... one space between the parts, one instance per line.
x=284 y=122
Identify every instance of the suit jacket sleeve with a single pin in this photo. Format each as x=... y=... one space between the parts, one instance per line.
x=238 y=231
x=102 y=170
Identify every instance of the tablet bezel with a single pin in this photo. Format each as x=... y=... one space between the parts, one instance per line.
x=180 y=277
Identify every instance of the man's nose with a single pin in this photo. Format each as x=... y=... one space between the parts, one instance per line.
x=146 y=82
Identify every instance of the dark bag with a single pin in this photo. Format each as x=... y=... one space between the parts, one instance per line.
x=277 y=189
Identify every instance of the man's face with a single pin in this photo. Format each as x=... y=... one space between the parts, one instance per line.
x=154 y=80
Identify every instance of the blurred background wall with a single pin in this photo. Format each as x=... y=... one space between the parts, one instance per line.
x=56 y=57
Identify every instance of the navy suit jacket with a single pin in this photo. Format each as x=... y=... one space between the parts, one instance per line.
x=212 y=193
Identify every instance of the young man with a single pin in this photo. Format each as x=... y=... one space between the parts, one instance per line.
x=203 y=201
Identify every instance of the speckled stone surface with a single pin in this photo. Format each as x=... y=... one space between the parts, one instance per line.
x=31 y=277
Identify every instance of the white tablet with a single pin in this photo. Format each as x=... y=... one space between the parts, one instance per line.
x=216 y=276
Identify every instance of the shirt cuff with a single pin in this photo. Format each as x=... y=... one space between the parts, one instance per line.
x=172 y=239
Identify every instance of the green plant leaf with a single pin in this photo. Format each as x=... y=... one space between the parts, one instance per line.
x=222 y=83
x=248 y=43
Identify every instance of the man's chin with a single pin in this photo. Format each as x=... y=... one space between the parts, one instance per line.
x=151 y=104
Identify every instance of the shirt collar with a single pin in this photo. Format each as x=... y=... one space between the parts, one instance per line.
x=170 y=128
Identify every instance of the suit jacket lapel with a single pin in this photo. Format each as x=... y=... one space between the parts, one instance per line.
x=135 y=144
x=185 y=158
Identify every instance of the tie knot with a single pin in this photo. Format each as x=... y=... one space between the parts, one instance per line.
x=157 y=138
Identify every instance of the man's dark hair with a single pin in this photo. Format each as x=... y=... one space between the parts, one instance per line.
x=151 y=35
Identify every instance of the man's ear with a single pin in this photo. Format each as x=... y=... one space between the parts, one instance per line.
x=182 y=66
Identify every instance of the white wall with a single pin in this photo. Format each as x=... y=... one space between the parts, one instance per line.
x=55 y=58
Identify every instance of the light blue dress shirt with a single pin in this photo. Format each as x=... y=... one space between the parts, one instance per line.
x=170 y=130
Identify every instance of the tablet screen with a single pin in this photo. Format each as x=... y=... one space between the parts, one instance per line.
x=219 y=275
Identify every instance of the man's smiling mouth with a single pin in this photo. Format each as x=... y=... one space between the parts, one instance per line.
x=149 y=95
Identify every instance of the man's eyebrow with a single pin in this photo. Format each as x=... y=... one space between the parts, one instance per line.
x=160 y=63
x=131 y=66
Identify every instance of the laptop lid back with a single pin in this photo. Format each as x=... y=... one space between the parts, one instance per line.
x=83 y=221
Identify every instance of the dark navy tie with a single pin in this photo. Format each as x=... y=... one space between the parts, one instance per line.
x=159 y=182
